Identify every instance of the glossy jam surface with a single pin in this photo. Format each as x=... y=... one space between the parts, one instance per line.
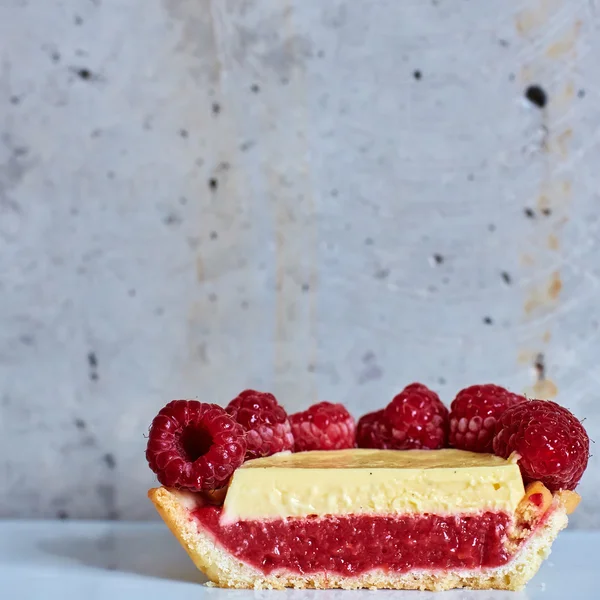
x=351 y=545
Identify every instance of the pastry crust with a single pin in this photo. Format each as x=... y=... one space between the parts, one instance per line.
x=225 y=570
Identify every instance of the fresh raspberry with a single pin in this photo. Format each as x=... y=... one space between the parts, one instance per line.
x=418 y=419
x=473 y=415
x=324 y=426
x=193 y=445
x=553 y=445
x=373 y=431
x=266 y=423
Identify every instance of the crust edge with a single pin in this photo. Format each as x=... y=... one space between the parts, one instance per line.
x=226 y=571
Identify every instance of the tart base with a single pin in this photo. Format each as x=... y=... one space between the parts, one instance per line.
x=226 y=571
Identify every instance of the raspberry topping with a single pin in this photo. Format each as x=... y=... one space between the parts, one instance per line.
x=193 y=445
x=473 y=415
x=324 y=426
x=373 y=431
x=265 y=421
x=553 y=445
x=418 y=419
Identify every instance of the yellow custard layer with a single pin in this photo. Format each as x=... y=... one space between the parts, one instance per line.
x=358 y=481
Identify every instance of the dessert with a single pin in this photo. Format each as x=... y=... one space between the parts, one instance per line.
x=374 y=517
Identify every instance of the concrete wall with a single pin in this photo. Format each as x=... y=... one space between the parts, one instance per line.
x=323 y=199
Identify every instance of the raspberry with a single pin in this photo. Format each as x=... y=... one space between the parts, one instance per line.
x=373 y=431
x=418 y=419
x=265 y=421
x=324 y=426
x=473 y=415
x=553 y=445
x=193 y=445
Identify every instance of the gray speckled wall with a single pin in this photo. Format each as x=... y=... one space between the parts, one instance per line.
x=323 y=199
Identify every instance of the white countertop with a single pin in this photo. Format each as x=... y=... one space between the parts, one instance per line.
x=74 y=559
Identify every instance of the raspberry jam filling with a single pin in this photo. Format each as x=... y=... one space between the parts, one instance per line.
x=351 y=545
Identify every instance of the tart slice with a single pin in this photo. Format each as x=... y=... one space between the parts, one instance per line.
x=400 y=512
x=358 y=518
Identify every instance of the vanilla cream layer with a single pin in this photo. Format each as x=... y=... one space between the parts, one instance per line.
x=360 y=481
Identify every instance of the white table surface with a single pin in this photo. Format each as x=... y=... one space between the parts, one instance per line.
x=74 y=559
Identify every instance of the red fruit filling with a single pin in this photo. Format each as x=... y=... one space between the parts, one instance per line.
x=355 y=544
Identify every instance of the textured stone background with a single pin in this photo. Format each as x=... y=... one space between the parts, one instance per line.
x=323 y=199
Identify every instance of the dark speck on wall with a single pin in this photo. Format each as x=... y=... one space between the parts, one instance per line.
x=216 y=108
x=213 y=235
x=131 y=293
x=368 y=241
x=334 y=193
x=212 y=297
x=78 y=20
x=62 y=515
x=305 y=287
x=470 y=177
x=581 y=93
x=529 y=213
x=213 y=183
x=368 y=356
x=546 y=211
x=80 y=424
x=441 y=380
x=15 y=99
x=172 y=219
x=55 y=56
x=85 y=74
x=438 y=259
x=487 y=320
x=183 y=133
x=417 y=74
x=536 y=95
x=504 y=43
x=92 y=360
x=93 y=366
x=539 y=365
x=506 y=277
x=491 y=227
x=382 y=273
x=255 y=88
x=109 y=460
